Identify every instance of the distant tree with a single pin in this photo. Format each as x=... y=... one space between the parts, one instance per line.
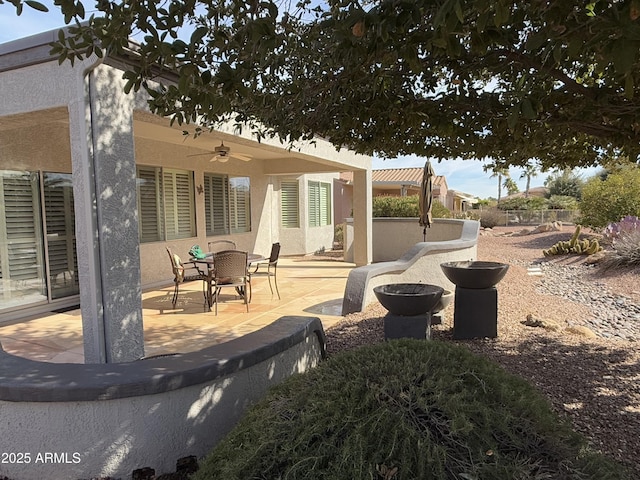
x=529 y=170
x=499 y=171
x=564 y=183
x=511 y=186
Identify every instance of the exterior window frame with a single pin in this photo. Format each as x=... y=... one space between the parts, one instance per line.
x=319 y=201
x=290 y=203
x=166 y=206
x=227 y=200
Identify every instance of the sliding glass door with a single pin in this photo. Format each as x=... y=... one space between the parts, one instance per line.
x=37 y=238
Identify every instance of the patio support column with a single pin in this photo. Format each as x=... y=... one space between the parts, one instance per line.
x=104 y=175
x=362 y=217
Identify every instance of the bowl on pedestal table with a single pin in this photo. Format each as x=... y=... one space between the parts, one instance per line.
x=474 y=274
x=408 y=299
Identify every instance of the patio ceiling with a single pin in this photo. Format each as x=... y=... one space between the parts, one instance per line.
x=276 y=159
x=318 y=157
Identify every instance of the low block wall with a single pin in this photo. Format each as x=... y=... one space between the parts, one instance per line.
x=73 y=421
x=457 y=241
x=392 y=237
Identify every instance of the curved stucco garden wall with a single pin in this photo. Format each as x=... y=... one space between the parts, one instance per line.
x=448 y=240
x=111 y=419
x=392 y=237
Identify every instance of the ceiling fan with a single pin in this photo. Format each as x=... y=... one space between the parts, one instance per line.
x=222 y=154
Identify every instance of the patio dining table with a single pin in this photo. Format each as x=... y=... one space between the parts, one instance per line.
x=209 y=260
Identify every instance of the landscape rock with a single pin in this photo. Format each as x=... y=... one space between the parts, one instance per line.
x=581 y=330
x=550 y=325
x=548 y=227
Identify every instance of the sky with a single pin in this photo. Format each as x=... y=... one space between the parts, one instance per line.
x=463 y=175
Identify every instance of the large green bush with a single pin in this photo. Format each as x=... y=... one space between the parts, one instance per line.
x=609 y=200
x=404 y=410
x=523 y=203
x=390 y=206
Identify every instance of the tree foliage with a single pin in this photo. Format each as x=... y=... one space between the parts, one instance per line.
x=550 y=80
x=609 y=200
x=564 y=183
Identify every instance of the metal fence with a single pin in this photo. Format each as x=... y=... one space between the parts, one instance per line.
x=537 y=217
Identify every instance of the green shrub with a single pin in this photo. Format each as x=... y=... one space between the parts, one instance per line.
x=388 y=206
x=522 y=203
x=609 y=200
x=562 y=202
x=403 y=207
x=404 y=410
x=491 y=218
x=438 y=210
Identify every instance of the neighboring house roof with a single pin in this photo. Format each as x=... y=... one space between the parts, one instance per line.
x=465 y=197
x=533 y=192
x=397 y=177
x=403 y=176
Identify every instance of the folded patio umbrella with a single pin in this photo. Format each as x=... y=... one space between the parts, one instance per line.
x=426 y=198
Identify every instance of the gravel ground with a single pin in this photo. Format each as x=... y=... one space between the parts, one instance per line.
x=581 y=352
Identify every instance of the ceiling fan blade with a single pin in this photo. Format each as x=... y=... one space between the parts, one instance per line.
x=200 y=154
x=243 y=157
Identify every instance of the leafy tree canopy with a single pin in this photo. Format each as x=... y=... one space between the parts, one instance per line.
x=552 y=80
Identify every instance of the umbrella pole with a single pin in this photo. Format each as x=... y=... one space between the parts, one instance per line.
x=424 y=234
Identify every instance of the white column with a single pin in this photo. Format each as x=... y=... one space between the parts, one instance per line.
x=362 y=217
x=104 y=175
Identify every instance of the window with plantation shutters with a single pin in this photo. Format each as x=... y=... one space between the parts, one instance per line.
x=289 y=204
x=239 y=205
x=179 y=204
x=22 y=274
x=150 y=210
x=60 y=228
x=166 y=204
x=319 y=204
x=21 y=232
x=227 y=204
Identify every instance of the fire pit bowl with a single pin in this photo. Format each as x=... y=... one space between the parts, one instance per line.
x=445 y=300
x=474 y=274
x=408 y=299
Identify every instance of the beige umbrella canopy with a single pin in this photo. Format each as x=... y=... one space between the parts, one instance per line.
x=426 y=198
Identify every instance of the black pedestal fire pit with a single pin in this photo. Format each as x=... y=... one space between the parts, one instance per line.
x=409 y=306
x=475 y=309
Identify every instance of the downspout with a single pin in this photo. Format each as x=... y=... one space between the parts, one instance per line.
x=86 y=211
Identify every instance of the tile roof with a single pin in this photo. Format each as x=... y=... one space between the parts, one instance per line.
x=403 y=175
x=399 y=176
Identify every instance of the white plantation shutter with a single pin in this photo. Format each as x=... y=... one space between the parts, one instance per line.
x=239 y=205
x=227 y=204
x=325 y=204
x=22 y=232
x=149 y=205
x=319 y=204
x=215 y=203
x=60 y=225
x=314 y=204
x=179 y=208
x=289 y=204
x=166 y=204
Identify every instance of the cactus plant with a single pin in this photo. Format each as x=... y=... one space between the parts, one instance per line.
x=575 y=245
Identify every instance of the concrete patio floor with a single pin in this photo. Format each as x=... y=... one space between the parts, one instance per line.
x=309 y=286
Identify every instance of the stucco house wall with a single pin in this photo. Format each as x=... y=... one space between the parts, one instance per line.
x=77 y=119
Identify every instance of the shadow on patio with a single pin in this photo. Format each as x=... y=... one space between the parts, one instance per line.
x=308 y=287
